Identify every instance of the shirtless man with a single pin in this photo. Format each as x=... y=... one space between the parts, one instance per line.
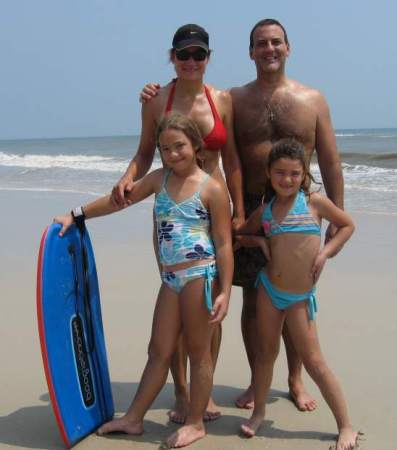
x=265 y=110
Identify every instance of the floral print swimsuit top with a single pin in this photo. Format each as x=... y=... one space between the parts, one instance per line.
x=183 y=228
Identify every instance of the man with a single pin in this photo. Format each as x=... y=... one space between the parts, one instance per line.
x=265 y=110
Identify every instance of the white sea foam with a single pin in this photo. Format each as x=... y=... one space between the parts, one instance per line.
x=76 y=162
x=41 y=189
x=357 y=187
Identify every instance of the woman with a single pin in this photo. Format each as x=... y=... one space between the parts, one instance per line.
x=211 y=109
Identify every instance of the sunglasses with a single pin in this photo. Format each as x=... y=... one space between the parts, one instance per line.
x=184 y=55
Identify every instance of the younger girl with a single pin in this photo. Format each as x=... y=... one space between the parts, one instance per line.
x=192 y=214
x=286 y=293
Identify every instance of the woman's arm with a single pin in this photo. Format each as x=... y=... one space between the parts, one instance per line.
x=231 y=162
x=219 y=207
x=143 y=159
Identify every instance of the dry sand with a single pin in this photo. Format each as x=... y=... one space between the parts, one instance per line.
x=357 y=326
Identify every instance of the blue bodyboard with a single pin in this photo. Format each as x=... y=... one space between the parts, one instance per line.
x=71 y=333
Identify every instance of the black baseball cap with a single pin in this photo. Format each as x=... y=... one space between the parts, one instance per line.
x=190 y=35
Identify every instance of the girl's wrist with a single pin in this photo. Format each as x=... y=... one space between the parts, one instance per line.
x=325 y=253
x=78 y=215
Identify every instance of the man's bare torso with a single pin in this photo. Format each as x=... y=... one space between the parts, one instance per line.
x=261 y=118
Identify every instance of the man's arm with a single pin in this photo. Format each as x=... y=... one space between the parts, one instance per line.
x=328 y=160
x=327 y=154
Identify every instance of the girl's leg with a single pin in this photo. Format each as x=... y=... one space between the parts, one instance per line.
x=269 y=326
x=304 y=334
x=166 y=328
x=198 y=334
x=297 y=391
x=178 y=369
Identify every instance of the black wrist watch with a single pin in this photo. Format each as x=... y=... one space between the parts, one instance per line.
x=78 y=216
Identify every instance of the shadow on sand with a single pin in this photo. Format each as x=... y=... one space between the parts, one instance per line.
x=35 y=426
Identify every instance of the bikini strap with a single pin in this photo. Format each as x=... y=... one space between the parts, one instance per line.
x=267 y=212
x=170 y=100
x=212 y=105
x=203 y=183
x=167 y=173
x=300 y=206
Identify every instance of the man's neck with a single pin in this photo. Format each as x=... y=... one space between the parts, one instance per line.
x=270 y=81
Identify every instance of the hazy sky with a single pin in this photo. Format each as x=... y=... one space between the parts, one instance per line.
x=75 y=67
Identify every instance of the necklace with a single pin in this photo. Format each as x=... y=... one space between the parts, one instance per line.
x=270 y=113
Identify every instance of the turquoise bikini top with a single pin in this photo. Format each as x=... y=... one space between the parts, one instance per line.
x=298 y=220
x=183 y=229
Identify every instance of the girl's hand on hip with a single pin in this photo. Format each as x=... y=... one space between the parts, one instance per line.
x=318 y=266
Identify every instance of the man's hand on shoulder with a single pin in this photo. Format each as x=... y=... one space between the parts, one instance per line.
x=148 y=92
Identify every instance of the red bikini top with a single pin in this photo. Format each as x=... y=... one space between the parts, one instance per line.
x=217 y=137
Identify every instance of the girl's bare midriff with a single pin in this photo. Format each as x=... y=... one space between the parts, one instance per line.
x=292 y=258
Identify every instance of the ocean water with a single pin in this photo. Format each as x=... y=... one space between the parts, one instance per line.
x=92 y=166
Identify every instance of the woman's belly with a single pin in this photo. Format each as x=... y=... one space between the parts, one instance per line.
x=292 y=258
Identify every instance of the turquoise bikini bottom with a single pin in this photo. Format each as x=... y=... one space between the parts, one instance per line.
x=178 y=279
x=283 y=300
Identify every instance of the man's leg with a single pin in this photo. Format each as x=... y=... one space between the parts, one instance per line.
x=178 y=370
x=212 y=412
x=248 y=330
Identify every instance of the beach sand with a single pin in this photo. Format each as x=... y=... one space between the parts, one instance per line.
x=357 y=326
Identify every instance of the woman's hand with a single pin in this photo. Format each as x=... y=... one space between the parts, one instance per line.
x=119 y=191
x=66 y=221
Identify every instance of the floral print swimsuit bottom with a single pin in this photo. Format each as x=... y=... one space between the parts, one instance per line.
x=183 y=234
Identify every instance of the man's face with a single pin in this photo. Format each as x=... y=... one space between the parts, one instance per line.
x=270 y=49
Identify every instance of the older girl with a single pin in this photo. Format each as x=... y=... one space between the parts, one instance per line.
x=192 y=215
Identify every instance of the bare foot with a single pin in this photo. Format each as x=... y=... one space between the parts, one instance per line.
x=347 y=439
x=212 y=412
x=301 y=398
x=121 y=425
x=246 y=399
x=179 y=412
x=186 y=435
x=250 y=427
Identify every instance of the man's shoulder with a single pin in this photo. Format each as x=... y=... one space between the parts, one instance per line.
x=305 y=93
x=223 y=95
x=241 y=90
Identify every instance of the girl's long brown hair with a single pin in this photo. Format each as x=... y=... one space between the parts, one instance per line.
x=290 y=149
x=179 y=122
